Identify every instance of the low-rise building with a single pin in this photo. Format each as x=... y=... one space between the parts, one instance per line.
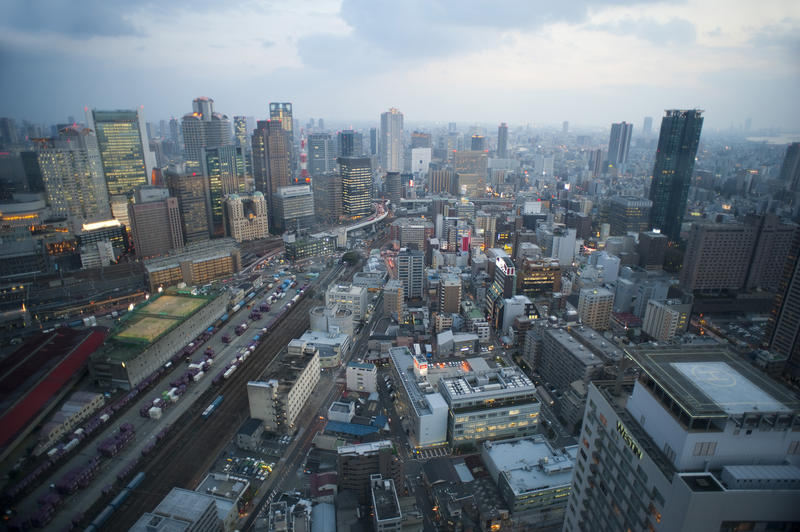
x=343 y=411
x=385 y=504
x=332 y=346
x=195 y=264
x=362 y=377
x=248 y=437
x=349 y=296
x=77 y=408
x=303 y=248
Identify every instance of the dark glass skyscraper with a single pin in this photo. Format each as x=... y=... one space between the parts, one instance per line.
x=502 y=141
x=790 y=171
x=672 y=172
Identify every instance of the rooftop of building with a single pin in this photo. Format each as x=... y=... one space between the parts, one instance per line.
x=384 y=499
x=340 y=407
x=286 y=369
x=249 y=427
x=422 y=395
x=531 y=464
x=224 y=486
x=184 y=504
x=364 y=448
x=195 y=252
x=324 y=338
x=574 y=347
x=487 y=383
x=150 y=522
x=709 y=381
x=597 y=342
x=362 y=365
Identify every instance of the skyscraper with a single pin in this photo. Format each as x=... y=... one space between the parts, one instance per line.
x=356 y=186
x=351 y=143
x=191 y=190
x=618 y=145
x=392 y=140
x=647 y=127
x=72 y=174
x=790 y=171
x=224 y=167
x=271 y=160
x=124 y=150
x=393 y=188
x=502 y=141
x=565 y=126
x=373 y=141
x=155 y=222
x=295 y=208
x=478 y=143
x=283 y=112
x=203 y=128
x=783 y=330
x=672 y=171
x=246 y=216
x=240 y=131
x=410 y=271
x=321 y=154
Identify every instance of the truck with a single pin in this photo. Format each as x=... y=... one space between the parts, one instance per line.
x=263 y=307
x=240 y=329
x=255 y=315
x=226 y=338
x=209 y=352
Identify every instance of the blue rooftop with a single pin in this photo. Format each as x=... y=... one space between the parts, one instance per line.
x=352 y=429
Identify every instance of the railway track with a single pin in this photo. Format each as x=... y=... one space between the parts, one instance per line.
x=193 y=446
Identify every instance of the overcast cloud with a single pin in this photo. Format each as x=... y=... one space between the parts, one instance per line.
x=526 y=61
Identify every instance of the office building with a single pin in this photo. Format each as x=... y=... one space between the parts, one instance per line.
x=503 y=286
x=665 y=319
x=328 y=197
x=282 y=111
x=356 y=186
x=391 y=142
x=701 y=441
x=595 y=306
x=538 y=276
x=182 y=510
x=240 y=133
x=472 y=167
x=790 y=170
x=191 y=191
x=71 y=171
x=195 y=264
x=533 y=477
x=361 y=377
x=155 y=222
x=420 y=160
x=478 y=143
x=321 y=154
x=245 y=216
x=393 y=186
x=442 y=181
x=486 y=228
x=410 y=271
x=489 y=403
x=350 y=143
x=202 y=129
x=393 y=298
x=332 y=346
x=563 y=359
x=224 y=167
x=278 y=397
x=356 y=463
x=411 y=232
x=426 y=421
x=272 y=149
x=783 y=329
x=502 y=141
x=420 y=139
x=303 y=248
x=672 y=171
x=373 y=141
x=652 y=250
x=124 y=149
x=449 y=294
x=353 y=298
x=294 y=208
x=619 y=144
x=629 y=214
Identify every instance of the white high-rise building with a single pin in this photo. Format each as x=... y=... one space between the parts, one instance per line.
x=392 y=140
x=701 y=441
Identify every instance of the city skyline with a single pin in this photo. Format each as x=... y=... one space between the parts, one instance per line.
x=591 y=66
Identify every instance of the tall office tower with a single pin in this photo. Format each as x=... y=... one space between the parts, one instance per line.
x=421 y=140
x=373 y=141
x=672 y=171
x=410 y=271
x=175 y=131
x=502 y=141
x=783 y=330
x=504 y=285
x=629 y=214
x=124 y=149
x=155 y=222
x=538 y=276
x=328 y=197
x=565 y=126
x=596 y=162
x=203 y=128
x=394 y=188
x=441 y=180
x=350 y=143
x=391 y=144
x=224 y=167
x=321 y=154
x=295 y=208
x=240 y=132
x=486 y=228
x=478 y=143
x=356 y=186
x=72 y=174
x=283 y=112
x=246 y=216
x=790 y=171
x=619 y=143
x=271 y=161
x=647 y=127
x=450 y=294
x=701 y=441
x=594 y=307
x=191 y=191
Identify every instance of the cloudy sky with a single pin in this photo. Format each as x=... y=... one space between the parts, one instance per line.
x=522 y=61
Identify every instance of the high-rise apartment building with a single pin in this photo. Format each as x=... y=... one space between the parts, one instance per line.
x=124 y=149
x=619 y=143
x=391 y=144
x=790 y=170
x=410 y=271
x=701 y=441
x=449 y=294
x=155 y=222
x=245 y=216
x=665 y=319
x=224 y=167
x=203 y=128
x=356 y=186
x=672 y=171
x=72 y=174
x=393 y=298
x=321 y=154
x=295 y=208
x=272 y=148
x=191 y=191
x=502 y=141
x=595 y=306
x=629 y=214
